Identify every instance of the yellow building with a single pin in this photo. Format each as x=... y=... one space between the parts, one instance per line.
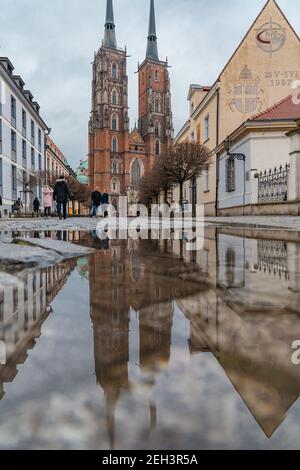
x=259 y=74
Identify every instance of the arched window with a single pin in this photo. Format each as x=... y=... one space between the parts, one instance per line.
x=157 y=147
x=114 y=98
x=114 y=122
x=156 y=75
x=135 y=173
x=114 y=144
x=114 y=70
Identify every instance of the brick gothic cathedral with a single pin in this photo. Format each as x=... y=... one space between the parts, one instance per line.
x=119 y=158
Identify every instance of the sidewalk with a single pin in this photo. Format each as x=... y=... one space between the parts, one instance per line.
x=262 y=222
x=85 y=223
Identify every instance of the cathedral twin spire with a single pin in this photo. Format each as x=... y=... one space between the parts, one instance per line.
x=110 y=28
x=110 y=31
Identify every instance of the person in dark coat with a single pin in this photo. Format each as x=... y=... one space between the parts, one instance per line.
x=61 y=196
x=96 y=202
x=36 y=206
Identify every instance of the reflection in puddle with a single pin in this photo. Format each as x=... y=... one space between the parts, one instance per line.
x=169 y=328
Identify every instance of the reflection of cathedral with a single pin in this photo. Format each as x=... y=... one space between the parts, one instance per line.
x=130 y=278
x=118 y=158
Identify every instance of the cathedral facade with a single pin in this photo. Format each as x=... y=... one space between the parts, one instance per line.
x=119 y=156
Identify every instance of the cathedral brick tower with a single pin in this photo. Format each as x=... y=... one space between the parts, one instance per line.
x=155 y=115
x=119 y=158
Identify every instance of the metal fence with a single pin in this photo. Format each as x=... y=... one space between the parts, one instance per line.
x=273 y=185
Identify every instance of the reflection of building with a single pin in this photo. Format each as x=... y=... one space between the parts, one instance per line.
x=251 y=321
x=118 y=158
x=24 y=306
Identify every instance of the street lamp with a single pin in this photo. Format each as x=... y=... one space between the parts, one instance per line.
x=239 y=157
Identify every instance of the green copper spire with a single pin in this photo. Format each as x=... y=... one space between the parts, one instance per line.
x=152 y=51
x=110 y=33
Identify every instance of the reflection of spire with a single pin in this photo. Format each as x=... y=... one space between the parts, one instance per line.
x=112 y=396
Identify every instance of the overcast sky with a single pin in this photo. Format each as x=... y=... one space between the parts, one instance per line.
x=52 y=42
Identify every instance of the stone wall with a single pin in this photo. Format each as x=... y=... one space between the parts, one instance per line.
x=280 y=208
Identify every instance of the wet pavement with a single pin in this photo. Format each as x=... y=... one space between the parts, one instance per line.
x=145 y=345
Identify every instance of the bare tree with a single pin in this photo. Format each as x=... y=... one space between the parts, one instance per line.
x=184 y=162
x=153 y=184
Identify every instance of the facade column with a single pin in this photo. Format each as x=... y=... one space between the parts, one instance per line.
x=294 y=173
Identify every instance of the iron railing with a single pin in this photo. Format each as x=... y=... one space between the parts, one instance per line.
x=273 y=185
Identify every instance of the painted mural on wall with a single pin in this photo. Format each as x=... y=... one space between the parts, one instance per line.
x=271 y=37
x=246 y=93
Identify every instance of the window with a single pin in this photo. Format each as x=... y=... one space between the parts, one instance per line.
x=114 y=98
x=135 y=173
x=13 y=105
x=32 y=132
x=206 y=128
x=206 y=180
x=114 y=123
x=32 y=159
x=193 y=137
x=114 y=70
x=114 y=145
x=14 y=182
x=1 y=177
x=40 y=140
x=24 y=153
x=13 y=146
x=156 y=76
x=24 y=123
x=40 y=162
x=157 y=147
x=192 y=108
x=156 y=106
x=230 y=174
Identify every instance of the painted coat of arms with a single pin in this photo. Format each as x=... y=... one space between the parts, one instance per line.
x=246 y=93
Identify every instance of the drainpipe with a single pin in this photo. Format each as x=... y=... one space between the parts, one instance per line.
x=217 y=156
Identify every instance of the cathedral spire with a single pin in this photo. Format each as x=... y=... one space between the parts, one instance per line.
x=110 y=33
x=152 y=51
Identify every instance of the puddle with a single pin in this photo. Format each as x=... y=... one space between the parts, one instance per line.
x=145 y=345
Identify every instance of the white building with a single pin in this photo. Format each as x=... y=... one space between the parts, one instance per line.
x=22 y=139
x=265 y=174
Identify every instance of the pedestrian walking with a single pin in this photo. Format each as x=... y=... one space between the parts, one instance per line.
x=61 y=196
x=96 y=202
x=36 y=206
x=48 y=200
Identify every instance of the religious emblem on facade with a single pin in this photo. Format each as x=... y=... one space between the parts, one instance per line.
x=246 y=93
x=270 y=37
